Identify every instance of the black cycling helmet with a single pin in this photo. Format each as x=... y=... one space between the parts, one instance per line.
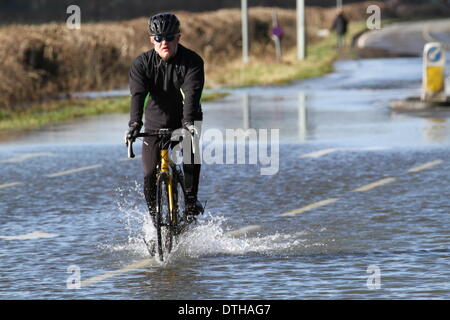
x=163 y=24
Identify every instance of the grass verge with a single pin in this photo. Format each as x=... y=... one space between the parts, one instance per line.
x=319 y=61
x=56 y=112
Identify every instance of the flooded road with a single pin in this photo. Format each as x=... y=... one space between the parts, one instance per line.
x=356 y=206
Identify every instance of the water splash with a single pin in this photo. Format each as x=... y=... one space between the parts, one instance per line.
x=135 y=219
x=211 y=235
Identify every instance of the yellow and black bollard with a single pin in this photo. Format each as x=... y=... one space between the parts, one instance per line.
x=433 y=82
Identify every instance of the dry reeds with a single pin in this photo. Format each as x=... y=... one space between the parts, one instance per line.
x=44 y=60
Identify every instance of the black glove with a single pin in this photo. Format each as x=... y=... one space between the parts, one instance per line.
x=133 y=131
x=189 y=125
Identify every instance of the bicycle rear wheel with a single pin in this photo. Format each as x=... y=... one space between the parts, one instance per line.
x=164 y=225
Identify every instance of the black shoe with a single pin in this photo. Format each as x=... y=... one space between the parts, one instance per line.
x=193 y=206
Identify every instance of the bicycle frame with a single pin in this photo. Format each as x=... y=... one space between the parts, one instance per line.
x=168 y=179
x=165 y=173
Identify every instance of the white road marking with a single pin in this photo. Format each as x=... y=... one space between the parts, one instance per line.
x=30 y=236
x=375 y=184
x=318 y=154
x=63 y=173
x=26 y=156
x=243 y=230
x=425 y=166
x=11 y=184
x=310 y=207
x=137 y=265
x=365 y=149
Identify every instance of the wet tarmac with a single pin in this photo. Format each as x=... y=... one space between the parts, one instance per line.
x=407 y=38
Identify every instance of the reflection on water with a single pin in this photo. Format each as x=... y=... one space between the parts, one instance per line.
x=246 y=117
x=331 y=117
x=302 y=120
x=436 y=130
x=429 y=128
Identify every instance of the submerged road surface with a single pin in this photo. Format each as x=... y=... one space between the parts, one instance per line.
x=353 y=202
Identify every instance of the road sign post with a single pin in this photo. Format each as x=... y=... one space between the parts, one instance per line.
x=301 y=43
x=244 y=17
x=433 y=78
x=277 y=34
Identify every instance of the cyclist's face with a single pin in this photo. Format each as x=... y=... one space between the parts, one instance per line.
x=166 y=49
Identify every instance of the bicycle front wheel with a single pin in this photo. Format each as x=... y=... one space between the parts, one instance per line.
x=164 y=225
x=179 y=196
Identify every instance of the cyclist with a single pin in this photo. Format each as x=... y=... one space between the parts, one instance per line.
x=173 y=76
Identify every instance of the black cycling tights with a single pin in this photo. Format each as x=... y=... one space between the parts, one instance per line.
x=151 y=158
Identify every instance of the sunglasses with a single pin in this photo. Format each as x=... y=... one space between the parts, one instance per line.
x=168 y=38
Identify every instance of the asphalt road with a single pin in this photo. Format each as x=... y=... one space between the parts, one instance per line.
x=407 y=38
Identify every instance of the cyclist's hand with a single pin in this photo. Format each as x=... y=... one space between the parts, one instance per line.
x=191 y=128
x=133 y=131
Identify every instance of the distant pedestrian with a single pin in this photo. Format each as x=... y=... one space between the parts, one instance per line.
x=340 y=27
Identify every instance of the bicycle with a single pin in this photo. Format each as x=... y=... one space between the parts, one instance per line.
x=170 y=218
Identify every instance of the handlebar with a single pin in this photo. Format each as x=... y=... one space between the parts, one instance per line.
x=156 y=132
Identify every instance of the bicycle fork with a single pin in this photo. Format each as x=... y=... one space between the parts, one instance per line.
x=165 y=171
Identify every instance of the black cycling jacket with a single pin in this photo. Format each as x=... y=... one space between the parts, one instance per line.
x=175 y=88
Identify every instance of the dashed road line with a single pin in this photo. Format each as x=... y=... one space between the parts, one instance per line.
x=425 y=166
x=11 y=184
x=375 y=184
x=364 y=188
x=137 y=265
x=310 y=207
x=146 y=262
x=30 y=236
x=243 y=231
x=26 y=156
x=319 y=153
x=63 y=173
